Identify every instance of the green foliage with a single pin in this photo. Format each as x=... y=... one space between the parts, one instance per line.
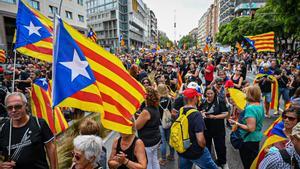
x=188 y=40
x=280 y=16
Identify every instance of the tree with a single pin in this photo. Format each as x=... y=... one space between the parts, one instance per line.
x=280 y=16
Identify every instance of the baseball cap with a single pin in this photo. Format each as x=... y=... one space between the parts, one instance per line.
x=296 y=131
x=190 y=93
x=169 y=63
x=229 y=84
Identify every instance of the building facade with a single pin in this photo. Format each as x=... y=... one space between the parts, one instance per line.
x=226 y=11
x=117 y=20
x=202 y=31
x=246 y=7
x=73 y=12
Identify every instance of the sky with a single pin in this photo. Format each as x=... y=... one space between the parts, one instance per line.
x=188 y=12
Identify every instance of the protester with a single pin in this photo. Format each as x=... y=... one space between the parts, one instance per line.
x=147 y=124
x=215 y=111
x=165 y=108
x=197 y=153
x=251 y=126
x=286 y=158
x=209 y=72
x=87 y=152
x=128 y=151
x=90 y=127
x=265 y=84
x=31 y=138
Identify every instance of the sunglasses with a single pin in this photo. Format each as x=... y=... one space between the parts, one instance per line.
x=76 y=156
x=146 y=82
x=288 y=117
x=16 y=107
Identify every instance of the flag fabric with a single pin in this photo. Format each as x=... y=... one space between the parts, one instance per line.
x=274 y=93
x=2 y=56
x=262 y=42
x=240 y=50
x=101 y=80
x=268 y=131
x=179 y=84
x=33 y=33
x=277 y=135
x=92 y=35
x=41 y=106
x=206 y=48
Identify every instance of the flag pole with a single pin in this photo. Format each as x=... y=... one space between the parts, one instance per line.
x=14 y=72
x=9 y=140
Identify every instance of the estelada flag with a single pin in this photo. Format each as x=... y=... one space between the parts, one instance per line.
x=86 y=74
x=179 y=84
x=274 y=92
x=2 y=56
x=92 y=35
x=33 y=33
x=262 y=42
x=240 y=50
x=41 y=106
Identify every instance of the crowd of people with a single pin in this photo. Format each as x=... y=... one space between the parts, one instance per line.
x=182 y=86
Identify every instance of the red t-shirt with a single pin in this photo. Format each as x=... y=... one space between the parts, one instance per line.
x=209 y=76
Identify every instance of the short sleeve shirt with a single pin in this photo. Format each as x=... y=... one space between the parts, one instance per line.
x=210 y=76
x=257 y=112
x=196 y=125
x=27 y=146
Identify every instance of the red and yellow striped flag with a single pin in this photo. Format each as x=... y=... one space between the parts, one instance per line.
x=206 y=48
x=179 y=84
x=121 y=94
x=2 y=56
x=92 y=35
x=240 y=50
x=262 y=42
x=41 y=106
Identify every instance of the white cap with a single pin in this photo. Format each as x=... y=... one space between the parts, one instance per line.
x=192 y=85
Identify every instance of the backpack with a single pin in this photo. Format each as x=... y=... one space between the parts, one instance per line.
x=179 y=134
x=288 y=159
x=166 y=120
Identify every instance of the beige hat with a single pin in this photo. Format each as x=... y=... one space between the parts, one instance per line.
x=296 y=131
x=162 y=90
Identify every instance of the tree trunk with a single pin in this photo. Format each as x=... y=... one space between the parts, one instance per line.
x=292 y=44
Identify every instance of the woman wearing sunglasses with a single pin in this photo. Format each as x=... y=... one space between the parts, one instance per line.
x=86 y=153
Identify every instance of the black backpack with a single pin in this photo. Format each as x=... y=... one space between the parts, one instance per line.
x=288 y=159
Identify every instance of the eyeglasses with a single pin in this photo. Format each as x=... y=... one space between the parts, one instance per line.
x=16 y=107
x=146 y=82
x=76 y=156
x=288 y=117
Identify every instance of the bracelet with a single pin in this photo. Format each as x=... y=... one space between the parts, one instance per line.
x=126 y=162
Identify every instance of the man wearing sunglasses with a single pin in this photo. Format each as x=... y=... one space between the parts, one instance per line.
x=23 y=138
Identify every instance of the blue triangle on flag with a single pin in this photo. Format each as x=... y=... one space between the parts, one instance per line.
x=42 y=82
x=29 y=28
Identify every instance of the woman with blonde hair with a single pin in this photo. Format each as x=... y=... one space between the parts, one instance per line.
x=250 y=126
x=165 y=108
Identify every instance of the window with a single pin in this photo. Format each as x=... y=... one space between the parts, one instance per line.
x=9 y=1
x=69 y=15
x=35 y=4
x=80 y=2
x=81 y=18
x=53 y=9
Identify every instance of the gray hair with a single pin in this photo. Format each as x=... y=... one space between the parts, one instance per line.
x=21 y=95
x=91 y=146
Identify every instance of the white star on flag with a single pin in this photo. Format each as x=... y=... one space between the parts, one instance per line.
x=77 y=66
x=44 y=81
x=33 y=29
